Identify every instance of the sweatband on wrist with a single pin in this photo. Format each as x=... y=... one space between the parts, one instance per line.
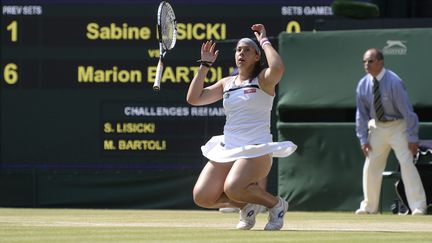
x=205 y=63
x=264 y=41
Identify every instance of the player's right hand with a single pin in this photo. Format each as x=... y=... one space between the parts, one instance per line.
x=209 y=52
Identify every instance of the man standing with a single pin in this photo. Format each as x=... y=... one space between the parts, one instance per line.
x=385 y=120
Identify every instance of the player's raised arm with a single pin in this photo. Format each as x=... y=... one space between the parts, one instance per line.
x=273 y=74
x=197 y=94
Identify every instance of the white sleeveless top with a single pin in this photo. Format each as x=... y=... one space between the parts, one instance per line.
x=247 y=127
x=248 y=111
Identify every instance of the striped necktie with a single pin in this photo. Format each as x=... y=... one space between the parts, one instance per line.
x=377 y=101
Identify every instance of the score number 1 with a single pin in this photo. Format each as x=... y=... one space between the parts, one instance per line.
x=10 y=72
x=13 y=28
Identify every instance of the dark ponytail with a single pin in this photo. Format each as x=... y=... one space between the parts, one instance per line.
x=259 y=66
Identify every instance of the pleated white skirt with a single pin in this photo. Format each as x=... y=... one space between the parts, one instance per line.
x=215 y=150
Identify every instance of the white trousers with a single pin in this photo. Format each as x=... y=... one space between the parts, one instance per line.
x=382 y=138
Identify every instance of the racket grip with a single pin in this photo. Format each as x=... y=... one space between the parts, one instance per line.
x=159 y=70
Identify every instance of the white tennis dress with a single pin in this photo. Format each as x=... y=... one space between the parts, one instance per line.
x=247 y=127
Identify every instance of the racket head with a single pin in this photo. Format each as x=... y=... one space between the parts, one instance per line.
x=167 y=26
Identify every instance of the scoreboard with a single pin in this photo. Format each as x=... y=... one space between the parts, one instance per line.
x=77 y=76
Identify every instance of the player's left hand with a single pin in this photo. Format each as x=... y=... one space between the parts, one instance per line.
x=259 y=31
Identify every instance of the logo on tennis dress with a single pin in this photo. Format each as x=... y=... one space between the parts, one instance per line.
x=248 y=91
x=395 y=47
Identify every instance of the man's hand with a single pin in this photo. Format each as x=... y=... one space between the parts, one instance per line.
x=413 y=147
x=366 y=148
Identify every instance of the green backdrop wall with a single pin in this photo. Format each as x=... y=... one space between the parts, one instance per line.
x=316 y=110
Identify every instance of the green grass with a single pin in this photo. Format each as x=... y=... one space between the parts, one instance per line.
x=75 y=225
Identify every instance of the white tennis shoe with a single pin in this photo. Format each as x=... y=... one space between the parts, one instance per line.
x=418 y=211
x=229 y=210
x=247 y=216
x=276 y=215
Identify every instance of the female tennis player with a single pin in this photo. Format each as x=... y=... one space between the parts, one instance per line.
x=242 y=156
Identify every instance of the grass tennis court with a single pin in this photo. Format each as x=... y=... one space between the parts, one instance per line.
x=193 y=226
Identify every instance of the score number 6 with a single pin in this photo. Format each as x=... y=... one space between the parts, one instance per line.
x=10 y=73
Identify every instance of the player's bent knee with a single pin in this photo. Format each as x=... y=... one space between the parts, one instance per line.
x=234 y=192
x=203 y=200
x=203 y=203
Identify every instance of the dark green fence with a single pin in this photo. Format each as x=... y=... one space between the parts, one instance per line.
x=316 y=110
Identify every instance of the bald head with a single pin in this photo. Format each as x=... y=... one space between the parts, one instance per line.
x=376 y=53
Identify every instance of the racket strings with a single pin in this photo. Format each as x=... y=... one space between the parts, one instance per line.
x=168 y=28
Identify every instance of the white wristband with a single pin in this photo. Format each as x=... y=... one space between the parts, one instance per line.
x=264 y=41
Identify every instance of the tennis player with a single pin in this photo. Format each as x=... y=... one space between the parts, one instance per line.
x=242 y=156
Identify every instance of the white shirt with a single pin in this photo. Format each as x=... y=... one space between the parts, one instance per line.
x=248 y=114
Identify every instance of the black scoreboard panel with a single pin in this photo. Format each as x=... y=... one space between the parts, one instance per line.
x=77 y=76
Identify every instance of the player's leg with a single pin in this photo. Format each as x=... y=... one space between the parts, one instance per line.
x=261 y=183
x=241 y=185
x=241 y=182
x=208 y=190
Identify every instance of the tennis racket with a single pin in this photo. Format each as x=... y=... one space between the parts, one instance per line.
x=167 y=35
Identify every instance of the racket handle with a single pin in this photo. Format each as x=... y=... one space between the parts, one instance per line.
x=159 y=70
